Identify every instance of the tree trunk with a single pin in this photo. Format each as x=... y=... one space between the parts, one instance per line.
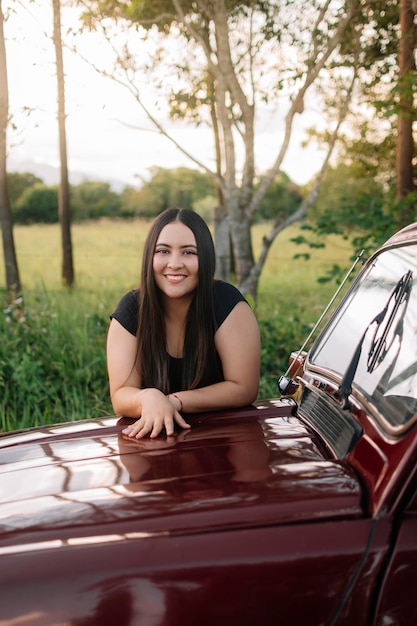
x=222 y=239
x=221 y=225
x=405 y=142
x=10 y=260
x=63 y=195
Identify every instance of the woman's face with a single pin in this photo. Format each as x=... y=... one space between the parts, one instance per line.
x=175 y=261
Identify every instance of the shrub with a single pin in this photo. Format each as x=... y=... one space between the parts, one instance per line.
x=52 y=366
x=37 y=204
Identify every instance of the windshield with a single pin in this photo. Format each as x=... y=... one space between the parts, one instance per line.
x=372 y=340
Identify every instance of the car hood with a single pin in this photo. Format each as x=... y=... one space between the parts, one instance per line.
x=253 y=467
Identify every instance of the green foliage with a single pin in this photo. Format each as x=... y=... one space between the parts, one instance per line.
x=37 y=203
x=279 y=337
x=34 y=202
x=189 y=103
x=129 y=202
x=373 y=158
x=359 y=208
x=180 y=187
x=353 y=206
x=281 y=200
x=92 y=200
x=205 y=207
x=18 y=183
x=159 y=13
x=346 y=196
x=184 y=187
x=52 y=365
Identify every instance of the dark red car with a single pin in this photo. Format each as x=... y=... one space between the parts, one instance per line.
x=300 y=510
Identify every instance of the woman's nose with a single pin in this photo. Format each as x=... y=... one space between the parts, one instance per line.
x=175 y=260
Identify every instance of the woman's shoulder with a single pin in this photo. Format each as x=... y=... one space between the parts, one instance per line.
x=126 y=312
x=130 y=301
x=222 y=289
x=226 y=297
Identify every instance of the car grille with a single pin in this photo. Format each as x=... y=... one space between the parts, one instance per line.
x=337 y=427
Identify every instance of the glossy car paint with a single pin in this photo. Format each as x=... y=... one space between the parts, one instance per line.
x=396 y=600
x=251 y=517
x=170 y=529
x=244 y=462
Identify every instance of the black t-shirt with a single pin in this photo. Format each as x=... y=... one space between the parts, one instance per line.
x=226 y=297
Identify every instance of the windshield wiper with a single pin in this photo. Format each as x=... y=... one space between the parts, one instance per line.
x=379 y=348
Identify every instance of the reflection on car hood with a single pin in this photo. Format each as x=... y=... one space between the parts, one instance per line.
x=234 y=469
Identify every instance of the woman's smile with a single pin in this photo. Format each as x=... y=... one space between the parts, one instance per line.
x=175 y=278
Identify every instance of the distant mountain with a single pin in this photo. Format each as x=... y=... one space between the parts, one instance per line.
x=50 y=174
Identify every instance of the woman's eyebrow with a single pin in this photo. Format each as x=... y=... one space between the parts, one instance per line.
x=168 y=245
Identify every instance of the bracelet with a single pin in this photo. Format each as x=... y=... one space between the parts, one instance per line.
x=179 y=400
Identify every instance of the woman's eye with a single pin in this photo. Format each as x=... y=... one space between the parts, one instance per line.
x=167 y=251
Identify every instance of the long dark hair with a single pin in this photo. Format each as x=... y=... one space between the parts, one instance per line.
x=199 y=349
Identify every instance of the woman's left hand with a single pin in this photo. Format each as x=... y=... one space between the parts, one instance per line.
x=158 y=412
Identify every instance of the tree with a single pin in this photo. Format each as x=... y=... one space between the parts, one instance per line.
x=406 y=113
x=377 y=149
x=346 y=200
x=63 y=197
x=282 y=199
x=38 y=203
x=91 y=200
x=182 y=187
x=10 y=260
x=18 y=182
x=232 y=58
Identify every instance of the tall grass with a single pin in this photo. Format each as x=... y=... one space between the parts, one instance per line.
x=52 y=357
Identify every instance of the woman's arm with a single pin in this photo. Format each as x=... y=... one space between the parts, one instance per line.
x=238 y=344
x=153 y=410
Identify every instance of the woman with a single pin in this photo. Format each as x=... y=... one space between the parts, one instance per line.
x=183 y=342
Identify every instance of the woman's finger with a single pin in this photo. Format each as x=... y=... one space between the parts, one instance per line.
x=181 y=421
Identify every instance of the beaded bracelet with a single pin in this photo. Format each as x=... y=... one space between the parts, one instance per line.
x=179 y=400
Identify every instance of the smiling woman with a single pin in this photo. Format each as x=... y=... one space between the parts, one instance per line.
x=175 y=344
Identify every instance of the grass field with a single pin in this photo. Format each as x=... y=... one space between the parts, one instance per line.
x=52 y=361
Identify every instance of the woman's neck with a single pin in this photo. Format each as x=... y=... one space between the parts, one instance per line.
x=175 y=323
x=176 y=309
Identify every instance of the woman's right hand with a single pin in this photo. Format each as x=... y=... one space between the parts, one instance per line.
x=158 y=412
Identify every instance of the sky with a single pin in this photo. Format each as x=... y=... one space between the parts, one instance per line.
x=108 y=136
